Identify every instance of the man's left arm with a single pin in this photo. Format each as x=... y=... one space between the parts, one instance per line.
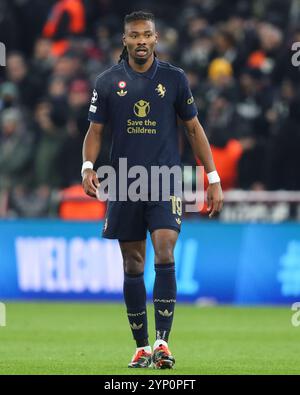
x=201 y=149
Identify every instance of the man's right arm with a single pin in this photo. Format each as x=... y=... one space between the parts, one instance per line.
x=90 y=151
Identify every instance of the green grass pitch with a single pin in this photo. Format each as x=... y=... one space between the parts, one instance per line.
x=94 y=338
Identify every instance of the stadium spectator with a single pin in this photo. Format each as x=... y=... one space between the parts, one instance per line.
x=42 y=61
x=69 y=66
x=227 y=150
x=8 y=95
x=78 y=103
x=66 y=20
x=15 y=154
x=284 y=152
x=52 y=131
x=29 y=87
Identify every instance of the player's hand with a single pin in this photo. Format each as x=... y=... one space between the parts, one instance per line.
x=214 y=199
x=90 y=182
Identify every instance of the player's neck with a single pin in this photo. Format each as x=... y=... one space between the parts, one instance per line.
x=141 y=68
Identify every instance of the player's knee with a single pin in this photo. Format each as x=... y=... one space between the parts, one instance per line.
x=164 y=254
x=133 y=263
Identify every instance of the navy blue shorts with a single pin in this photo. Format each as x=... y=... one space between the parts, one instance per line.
x=129 y=221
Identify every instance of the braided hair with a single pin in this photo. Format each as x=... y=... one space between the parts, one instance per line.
x=124 y=55
x=135 y=16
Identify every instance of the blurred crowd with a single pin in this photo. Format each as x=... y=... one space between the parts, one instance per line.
x=238 y=58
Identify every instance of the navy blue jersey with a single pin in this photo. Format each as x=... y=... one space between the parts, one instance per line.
x=142 y=109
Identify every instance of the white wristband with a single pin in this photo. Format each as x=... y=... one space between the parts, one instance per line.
x=86 y=165
x=213 y=177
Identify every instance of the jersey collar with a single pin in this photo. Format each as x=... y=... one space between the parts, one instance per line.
x=150 y=73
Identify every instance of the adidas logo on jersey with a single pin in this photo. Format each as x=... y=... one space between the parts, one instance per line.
x=122 y=93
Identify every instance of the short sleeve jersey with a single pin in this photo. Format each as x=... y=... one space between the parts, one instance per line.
x=142 y=109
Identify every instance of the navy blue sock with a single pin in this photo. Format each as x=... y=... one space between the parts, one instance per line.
x=164 y=298
x=135 y=300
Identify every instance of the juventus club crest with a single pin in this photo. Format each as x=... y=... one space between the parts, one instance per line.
x=161 y=90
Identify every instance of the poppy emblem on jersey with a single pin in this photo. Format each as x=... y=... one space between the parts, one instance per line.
x=122 y=84
x=141 y=108
x=95 y=96
x=161 y=90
